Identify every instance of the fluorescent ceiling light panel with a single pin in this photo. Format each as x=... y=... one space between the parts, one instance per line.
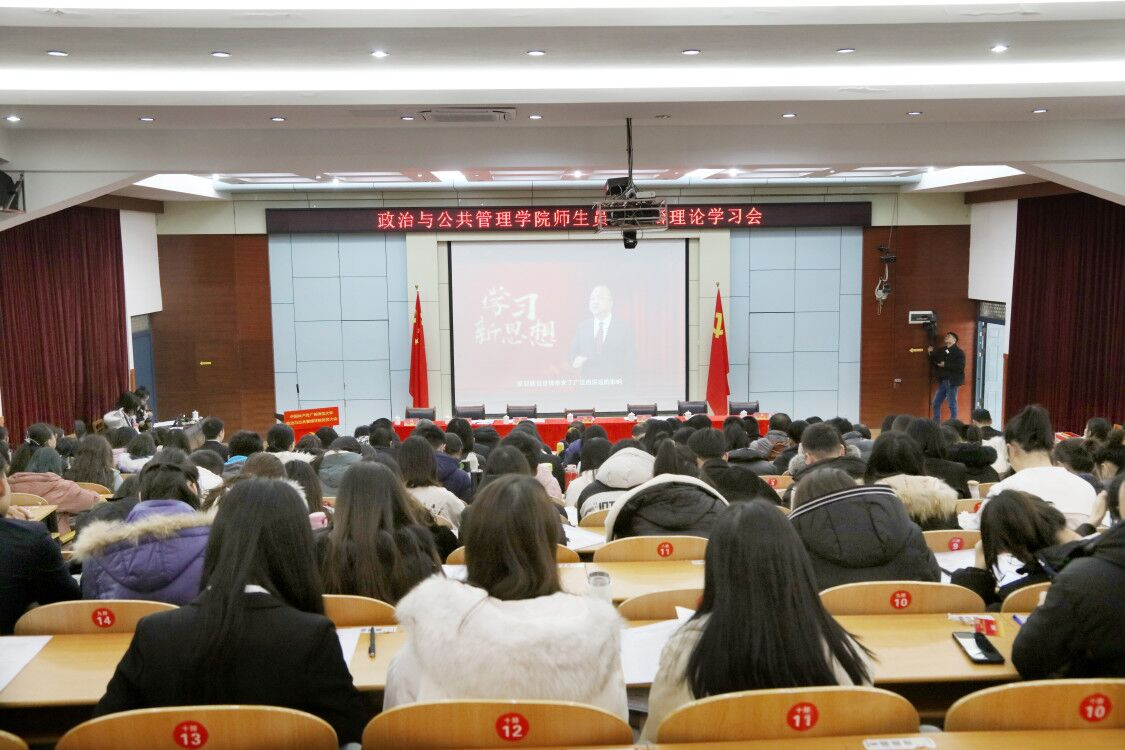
x=449 y=175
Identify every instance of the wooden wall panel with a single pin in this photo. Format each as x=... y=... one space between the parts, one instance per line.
x=216 y=309
x=931 y=273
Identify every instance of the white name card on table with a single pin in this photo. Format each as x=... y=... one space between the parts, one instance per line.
x=349 y=639
x=578 y=538
x=16 y=652
x=641 y=647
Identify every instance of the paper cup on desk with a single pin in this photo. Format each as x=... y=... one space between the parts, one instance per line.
x=598 y=585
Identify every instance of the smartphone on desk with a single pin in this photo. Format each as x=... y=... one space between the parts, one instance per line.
x=978 y=648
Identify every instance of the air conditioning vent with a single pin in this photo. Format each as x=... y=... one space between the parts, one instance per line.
x=468 y=114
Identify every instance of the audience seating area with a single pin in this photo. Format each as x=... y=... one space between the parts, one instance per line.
x=919 y=673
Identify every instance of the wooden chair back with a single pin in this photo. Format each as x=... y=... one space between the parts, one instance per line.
x=967 y=506
x=562 y=555
x=951 y=540
x=784 y=510
x=779 y=482
x=212 y=727
x=87 y=616
x=1025 y=599
x=1041 y=704
x=597 y=518
x=900 y=598
x=11 y=742
x=652 y=549
x=26 y=499
x=983 y=489
x=790 y=713
x=357 y=611
x=490 y=724
x=101 y=489
x=438 y=520
x=659 y=605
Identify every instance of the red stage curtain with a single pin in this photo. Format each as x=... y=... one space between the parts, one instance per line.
x=1067 y=348
x=63 y=352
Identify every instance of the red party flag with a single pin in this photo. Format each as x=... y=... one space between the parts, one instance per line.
x=717 y=387
x=419 y=382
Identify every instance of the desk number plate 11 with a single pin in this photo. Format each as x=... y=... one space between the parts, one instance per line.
x=903 y=743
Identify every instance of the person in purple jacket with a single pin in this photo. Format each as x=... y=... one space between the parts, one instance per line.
x=155 y=552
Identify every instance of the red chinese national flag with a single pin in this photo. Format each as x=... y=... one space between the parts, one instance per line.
x=717 y=388
x=419 y=384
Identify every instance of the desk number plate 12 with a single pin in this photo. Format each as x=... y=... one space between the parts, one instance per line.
x=902 y=743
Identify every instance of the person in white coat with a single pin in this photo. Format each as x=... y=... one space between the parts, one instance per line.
x=509 y=632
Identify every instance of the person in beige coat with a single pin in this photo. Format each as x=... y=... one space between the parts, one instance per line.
x=760 y=625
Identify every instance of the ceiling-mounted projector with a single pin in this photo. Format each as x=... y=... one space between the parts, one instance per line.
x=624 y=209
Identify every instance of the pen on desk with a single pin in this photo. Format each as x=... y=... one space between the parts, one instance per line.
x=1019 y=620
x=371 y=645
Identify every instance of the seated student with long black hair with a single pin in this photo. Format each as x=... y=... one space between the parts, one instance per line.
x=378 y=546
x=760 y=625
x=94 y=463
x=509 y=632
x=256 y=634
x=1019 y=525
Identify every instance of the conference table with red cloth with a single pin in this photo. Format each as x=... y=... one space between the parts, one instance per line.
x=553 y=429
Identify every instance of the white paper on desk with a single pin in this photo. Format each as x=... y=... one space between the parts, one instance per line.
x=349 y=639
x=641 y=647
x=951 y=561
x=1007 y=570
x=579 y=538
x=572 y=515
x=16 y=652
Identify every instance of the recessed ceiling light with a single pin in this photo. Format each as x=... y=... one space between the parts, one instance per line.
x=789 y=115
x=1039 y=111
x=732 y=172
x=220 y=53
x=690 y=51
x=13 y=118
x=277 y=118
x=536 y=52
x=407 y=118
x=215 y=176
x=57 y=53
x=380 y=53
x=578 y=173
x=147 y=118
x=535 y=116
x=845 y=50
x=915 y=113
x=1000 y=47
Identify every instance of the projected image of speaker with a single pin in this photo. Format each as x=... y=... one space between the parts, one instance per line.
x=566 y=323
